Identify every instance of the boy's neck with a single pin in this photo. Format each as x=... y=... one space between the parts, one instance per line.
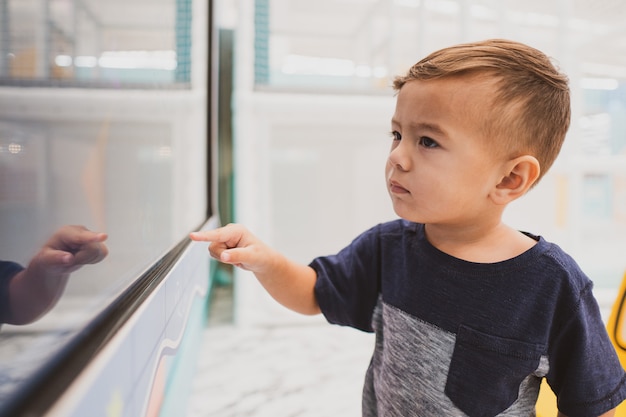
x=479 y=244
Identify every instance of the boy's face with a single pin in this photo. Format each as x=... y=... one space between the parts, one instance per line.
x=441 y=169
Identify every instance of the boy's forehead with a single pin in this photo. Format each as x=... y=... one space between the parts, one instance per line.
x=463 y=94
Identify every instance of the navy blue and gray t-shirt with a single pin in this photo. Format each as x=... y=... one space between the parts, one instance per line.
x=457 y=338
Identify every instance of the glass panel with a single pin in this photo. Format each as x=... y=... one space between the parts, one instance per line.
x=129 y=163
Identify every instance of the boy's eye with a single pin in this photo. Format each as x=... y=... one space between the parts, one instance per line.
x=427 y=142
x=395 y=135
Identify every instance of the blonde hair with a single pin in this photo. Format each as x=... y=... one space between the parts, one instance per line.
x=531 y=109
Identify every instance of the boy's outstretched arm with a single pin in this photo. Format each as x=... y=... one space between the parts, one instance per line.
x=289 y=283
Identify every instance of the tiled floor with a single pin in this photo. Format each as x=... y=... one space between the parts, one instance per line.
x=280 y=371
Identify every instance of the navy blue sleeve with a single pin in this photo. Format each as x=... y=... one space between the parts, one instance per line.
x=7 y=271
x=585 y=373
x=348 y=283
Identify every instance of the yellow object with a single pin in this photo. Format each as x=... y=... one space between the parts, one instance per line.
x=616 y=326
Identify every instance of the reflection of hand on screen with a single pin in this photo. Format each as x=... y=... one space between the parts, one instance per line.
x=36 y=289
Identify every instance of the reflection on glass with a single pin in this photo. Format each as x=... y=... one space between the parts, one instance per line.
x=127 y=164
x=111 y=176
x=28 y=293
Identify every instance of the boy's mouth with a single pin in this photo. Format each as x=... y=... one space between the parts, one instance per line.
x=396 y=188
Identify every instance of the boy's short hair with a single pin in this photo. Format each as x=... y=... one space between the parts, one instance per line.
x=531 y=110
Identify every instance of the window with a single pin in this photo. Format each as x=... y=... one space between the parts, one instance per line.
x=103 y=123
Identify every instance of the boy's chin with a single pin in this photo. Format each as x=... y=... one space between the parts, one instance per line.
x=411 y=217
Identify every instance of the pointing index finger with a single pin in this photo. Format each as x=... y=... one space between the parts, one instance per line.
x=230 y=235
x=198 y=237
x=207 y=236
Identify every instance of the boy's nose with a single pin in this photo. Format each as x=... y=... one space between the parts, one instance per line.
x=399 y=158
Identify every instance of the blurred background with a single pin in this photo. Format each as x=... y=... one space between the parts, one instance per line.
x=106 y=107
x=312 y=113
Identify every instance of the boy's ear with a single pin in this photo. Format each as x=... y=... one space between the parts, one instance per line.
x=520 y=175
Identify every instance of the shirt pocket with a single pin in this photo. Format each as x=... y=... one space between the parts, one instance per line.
x=486 y=371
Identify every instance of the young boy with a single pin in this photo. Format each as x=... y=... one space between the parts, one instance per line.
x=469 y=314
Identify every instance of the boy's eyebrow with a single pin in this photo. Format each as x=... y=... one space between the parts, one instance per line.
x=432 y=127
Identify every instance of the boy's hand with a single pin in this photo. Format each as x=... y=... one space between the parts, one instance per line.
x=290 y=283
x=234 y=244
